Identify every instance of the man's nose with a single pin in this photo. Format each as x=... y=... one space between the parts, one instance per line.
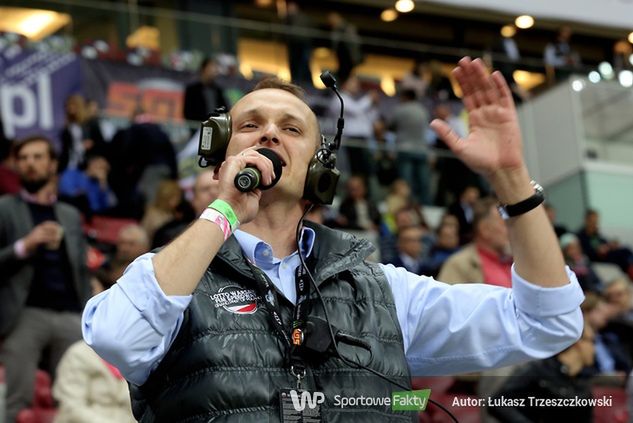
x=270 y=134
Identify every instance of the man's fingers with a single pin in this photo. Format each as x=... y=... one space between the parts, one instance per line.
x=505 y=95
x=444 y=131
x=486 y=87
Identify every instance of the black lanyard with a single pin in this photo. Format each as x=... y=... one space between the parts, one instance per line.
x=293 y=339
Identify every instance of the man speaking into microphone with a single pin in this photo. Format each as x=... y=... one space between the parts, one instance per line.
x=204 y=329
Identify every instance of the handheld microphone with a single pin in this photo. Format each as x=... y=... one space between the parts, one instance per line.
x=250 y=177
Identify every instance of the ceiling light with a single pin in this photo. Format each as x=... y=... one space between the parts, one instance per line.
x=631 y=59
x=388 y=15
x=594 y=77
x=34 y=24
x=626 y=78
x=524 y=21
x=577 y=85
x=630 y=38
x=404 y=6
x=606 y=70
x=508 y=31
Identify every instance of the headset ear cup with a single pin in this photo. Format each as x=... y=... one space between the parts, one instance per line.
x=215 y=134
x=320 y=184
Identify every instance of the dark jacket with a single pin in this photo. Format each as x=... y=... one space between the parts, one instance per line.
x=17 y=274
x=228 y=362
x=90 y=130
x=545 y=379
x=196 y=107
x=348 y=209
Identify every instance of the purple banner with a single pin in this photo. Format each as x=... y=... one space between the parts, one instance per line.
x=33 y=88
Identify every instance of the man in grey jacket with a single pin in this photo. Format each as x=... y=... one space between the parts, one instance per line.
x=44 y=284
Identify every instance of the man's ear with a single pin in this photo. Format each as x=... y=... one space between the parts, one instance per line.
x=216 y=171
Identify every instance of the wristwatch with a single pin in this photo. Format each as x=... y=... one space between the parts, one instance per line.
x=512 y=210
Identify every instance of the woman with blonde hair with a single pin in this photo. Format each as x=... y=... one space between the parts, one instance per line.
x=163 y=208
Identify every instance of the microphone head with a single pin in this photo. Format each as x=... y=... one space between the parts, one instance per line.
x=328 y=79
x=277 y=166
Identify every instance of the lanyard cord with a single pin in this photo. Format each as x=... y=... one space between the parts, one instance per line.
x=331 y=332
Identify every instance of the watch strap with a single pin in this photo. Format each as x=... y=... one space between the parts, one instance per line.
x=530 y=203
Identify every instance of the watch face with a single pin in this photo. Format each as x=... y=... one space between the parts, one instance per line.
x=538 y=188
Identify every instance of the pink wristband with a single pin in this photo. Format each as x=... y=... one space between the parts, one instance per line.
x=219 y=219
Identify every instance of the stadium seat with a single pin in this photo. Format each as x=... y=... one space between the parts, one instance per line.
x=618 y=412
x=105 y=229
x=43 y=410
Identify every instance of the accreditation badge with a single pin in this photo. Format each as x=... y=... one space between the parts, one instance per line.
x=300 y=406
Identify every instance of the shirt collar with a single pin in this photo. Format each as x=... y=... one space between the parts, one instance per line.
x=261 y=253
x=32 y=198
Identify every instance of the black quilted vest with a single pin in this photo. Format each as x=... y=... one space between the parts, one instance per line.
x=227 y=363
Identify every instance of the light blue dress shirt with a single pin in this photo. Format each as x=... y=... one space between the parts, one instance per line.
x=447 y=329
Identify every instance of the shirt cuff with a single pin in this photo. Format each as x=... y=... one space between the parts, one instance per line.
x=546 y=301
x=141 y=287
x=20 y=249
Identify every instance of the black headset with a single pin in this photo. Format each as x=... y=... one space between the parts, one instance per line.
x=322 y=176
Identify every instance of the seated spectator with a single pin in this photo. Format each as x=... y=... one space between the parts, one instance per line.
x=488 y=257
x=611 y=354
x=598 y=248
x=564 y=376
x=449 y=220
x=205 y=190
x=551 y=214
x=163 y=208
x=410 y=249
x=579 y=263
x=88 y=189
x=446 y=244
x=88 y=388
x=462 y=209
x=132 y=241
x=399 y=197
x=618 y=293
x=356 y=211
x=404 y=218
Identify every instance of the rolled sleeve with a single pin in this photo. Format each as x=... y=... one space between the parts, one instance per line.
x=452 y=329
x=546 y=302
x=142 y=289
x=133 y=324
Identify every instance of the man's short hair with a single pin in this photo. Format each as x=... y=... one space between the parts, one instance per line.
x=280 y=84
x=205 y=62
x=19 y=145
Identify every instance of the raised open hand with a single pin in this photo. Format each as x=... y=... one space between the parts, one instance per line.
x=493 y=145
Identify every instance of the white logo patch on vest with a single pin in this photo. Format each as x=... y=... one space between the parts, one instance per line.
x=236 y=299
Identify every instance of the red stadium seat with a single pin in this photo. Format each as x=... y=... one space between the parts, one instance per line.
x=106 y=229
x=618 y=412
x=43 y=410
x=36 y=415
